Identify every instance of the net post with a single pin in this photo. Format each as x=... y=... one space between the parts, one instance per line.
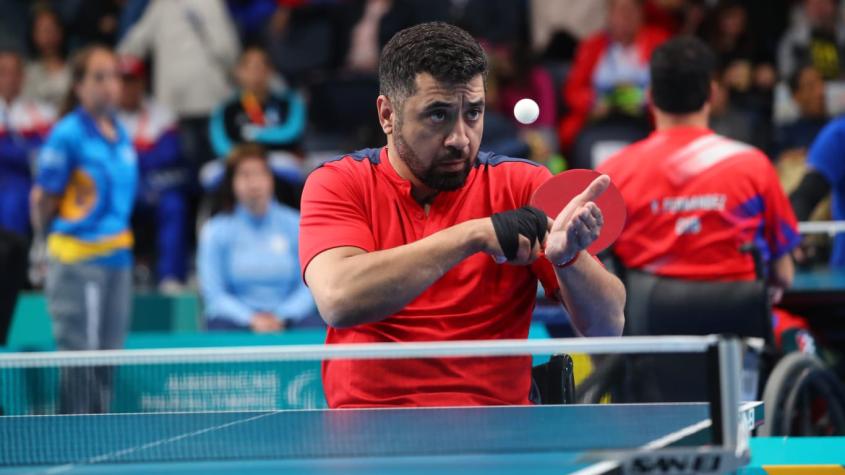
x=714 y=394
x=724 y=367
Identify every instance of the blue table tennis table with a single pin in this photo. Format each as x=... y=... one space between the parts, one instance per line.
x=819 y=295
x=821 y=279
x=553 y=439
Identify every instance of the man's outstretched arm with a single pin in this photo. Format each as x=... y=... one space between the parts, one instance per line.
x=352 y=286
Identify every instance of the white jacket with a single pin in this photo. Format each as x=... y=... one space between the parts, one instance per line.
x=194 y=45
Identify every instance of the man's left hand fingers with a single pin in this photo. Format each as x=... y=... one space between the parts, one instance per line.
x=596 y=212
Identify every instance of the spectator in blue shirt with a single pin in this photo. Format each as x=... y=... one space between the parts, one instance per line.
x=82 y=199
x=248 y=261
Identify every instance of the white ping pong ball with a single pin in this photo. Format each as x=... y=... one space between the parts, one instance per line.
x=526 y=111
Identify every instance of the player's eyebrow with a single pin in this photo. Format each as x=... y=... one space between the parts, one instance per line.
x=439 y=105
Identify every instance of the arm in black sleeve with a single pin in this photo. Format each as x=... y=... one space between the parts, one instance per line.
x=812 y=189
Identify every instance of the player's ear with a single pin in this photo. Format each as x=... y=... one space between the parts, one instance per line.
x=386 y=114
x=714 y=90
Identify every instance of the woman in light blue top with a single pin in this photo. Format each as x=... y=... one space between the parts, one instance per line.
x=248 y=259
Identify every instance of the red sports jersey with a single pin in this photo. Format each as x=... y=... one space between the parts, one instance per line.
x=694 y=199
x=359 y=200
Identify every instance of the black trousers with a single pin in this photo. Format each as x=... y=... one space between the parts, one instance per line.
x=13 y=268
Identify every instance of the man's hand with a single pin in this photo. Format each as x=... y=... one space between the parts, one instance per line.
x=42 y=208
x=263 y=322
x=577 y=225
x=526 y=253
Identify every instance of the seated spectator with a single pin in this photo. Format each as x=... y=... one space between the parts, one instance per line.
x=817 y=37
x=610 y=72
x=807 y=88
x=248 y=261
x=747 y=68
x=24 y=124
x=47 y=75
x=726 y=118
x=275 y=120
x=161 y=202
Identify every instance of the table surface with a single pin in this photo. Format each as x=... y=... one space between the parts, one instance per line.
x=466 y=441
x=819 y=295
x=819 y=279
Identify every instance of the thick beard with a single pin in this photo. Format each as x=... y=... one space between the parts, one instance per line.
x=436 y=180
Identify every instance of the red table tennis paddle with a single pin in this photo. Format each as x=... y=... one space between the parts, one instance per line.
x=553 y=195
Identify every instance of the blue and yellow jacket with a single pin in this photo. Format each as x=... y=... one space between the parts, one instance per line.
x=96 y=180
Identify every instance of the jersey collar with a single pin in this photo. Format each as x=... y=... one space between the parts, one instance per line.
x=689 y=131
x=92 y=128
x=444 y=197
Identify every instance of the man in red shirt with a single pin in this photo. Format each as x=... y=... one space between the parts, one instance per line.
x=429 y=239
x=694 y=198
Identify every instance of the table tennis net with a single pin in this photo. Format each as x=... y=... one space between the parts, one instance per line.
x=162 y=387
x=230 y=403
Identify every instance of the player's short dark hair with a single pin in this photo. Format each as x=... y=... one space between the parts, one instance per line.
x=681 y=71
x=448 y=53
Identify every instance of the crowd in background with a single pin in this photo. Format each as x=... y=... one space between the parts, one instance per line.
x=299 y=78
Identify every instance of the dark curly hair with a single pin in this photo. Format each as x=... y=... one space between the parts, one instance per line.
x=448 y=53
x=681 y=71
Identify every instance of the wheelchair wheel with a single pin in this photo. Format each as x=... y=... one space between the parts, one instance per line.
x=802 y=397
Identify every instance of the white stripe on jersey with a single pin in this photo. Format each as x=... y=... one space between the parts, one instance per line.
x=700 y=155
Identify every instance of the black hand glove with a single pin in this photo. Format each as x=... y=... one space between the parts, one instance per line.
x=527 y=221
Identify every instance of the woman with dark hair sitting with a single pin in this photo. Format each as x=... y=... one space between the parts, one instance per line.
x=248 y=261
